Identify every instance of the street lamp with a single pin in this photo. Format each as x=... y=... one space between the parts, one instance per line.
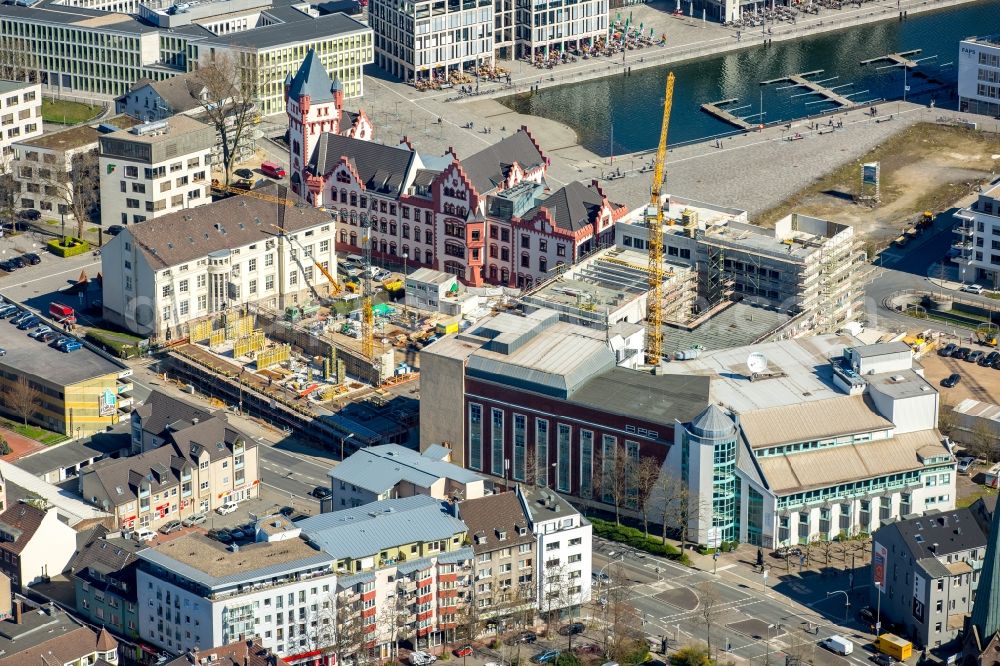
x=406 y=310
x=767 y=645
x=847 y=602
x=764 y=578
x=878 y=609
x=342 y=439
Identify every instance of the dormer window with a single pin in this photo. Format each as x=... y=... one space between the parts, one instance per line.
x=501 y=535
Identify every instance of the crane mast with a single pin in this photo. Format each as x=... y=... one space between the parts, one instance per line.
x=654 y=223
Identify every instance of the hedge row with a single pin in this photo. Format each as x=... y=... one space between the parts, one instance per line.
x=73 y=247
x=636 y=539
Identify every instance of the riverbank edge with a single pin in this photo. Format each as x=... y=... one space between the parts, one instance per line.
x=911 y=9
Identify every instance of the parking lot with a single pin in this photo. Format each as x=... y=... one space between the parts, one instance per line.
x=978 y=382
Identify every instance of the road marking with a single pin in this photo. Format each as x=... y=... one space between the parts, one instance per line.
x=51 y=275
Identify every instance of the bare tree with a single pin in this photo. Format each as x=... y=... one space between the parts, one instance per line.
x=622 y=621
x=647 y=476
x=613 y=477
x=22 y=398
x=708 y=595
x=8 y=189
x=674 y=496
x=77 y=190
x=339 y=631
x=948 y=421
x=981 y=442
x=17 y=60
x=231 y=88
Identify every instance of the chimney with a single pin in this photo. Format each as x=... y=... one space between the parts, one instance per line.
x=18 y=610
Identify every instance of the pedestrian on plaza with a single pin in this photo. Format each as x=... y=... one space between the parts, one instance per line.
x=760 y=559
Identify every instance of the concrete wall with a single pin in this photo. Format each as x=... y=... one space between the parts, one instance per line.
x=442 y=403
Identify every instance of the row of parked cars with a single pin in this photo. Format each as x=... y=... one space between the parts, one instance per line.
x=14 y=263
x=969 y=355
x=26 y=321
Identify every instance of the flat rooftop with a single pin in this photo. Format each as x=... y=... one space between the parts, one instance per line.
x=206 y=561
x=76 y=137
x=79 y=17
x=10 y=86
x=72 y=453
x=176 y=125
x=307 y=29
x=30 y=357
x=379 y=468
x=798 y=371
x=674 y=213
x=738 y=325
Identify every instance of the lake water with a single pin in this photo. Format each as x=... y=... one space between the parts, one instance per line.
x=633 y=103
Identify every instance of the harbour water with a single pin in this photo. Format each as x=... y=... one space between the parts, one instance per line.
x=626 y=109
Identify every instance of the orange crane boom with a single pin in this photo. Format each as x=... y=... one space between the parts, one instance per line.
x=653 y=218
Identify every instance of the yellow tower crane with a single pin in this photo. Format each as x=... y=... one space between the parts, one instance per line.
x=654 y=223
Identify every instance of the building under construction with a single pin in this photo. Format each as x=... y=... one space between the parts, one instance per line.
x=805 y=267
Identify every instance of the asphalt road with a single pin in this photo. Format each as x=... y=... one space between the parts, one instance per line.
x=755 y=624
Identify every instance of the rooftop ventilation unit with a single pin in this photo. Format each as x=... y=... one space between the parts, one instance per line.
x=150 y=128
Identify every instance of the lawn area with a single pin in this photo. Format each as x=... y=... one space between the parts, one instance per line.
x=123 y=345
x=68 y=113
x=46 y=437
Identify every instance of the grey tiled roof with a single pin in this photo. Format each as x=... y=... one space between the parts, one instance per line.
x=366 y=530
x=573 y=207
x=180 y=92
x=160 y=410
x=488 y=168
x=191 y=234
x=489 y=516
x=712 y=422
x=312 y=80
x=381 y=168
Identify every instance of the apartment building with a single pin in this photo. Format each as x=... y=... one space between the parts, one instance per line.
x=400 y=562
x=163 y=274
x=48 y=635
x=194 y=592
x=155 y=169
x=103 y=575
x=154 y=422
x=979 y=75
x=978 y=225
x=423 y=41
x=506 y=559
x=35 y=544
x=201 y=467
x=563 y=539
x=926 y=571
x=43 y=167
x=100 y=53
x=803 y=264
x=389 y=471
x=20 y=115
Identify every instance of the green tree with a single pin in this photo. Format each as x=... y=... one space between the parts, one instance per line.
x=5 y=449
x=691 y=655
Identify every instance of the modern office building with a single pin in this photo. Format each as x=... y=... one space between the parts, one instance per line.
x=389 y=471
x=425 y=42
x=162 y=274
x=825 y=437
x=74 y=398
x=926 y=570
x=155 y=169
x=102 y=53
x=20 y=115
x=979 y=75
x=978 y=254
x=406 y=561
x=195 y=591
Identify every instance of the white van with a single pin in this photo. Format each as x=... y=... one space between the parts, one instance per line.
x=838 y=644
x=144 y=534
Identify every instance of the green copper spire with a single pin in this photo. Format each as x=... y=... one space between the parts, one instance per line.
x=986 y=610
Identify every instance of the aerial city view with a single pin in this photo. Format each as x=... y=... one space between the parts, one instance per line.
x=499 y=332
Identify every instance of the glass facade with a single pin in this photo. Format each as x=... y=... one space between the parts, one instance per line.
x=542 y=451
x=586 y=463
x=520 y=442
x=608 y=444
x=755 y=518
x=475 y=436
x=725 y=504
x=496 y=442
x=564 y=438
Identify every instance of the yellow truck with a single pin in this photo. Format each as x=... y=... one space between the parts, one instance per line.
x=898 y=648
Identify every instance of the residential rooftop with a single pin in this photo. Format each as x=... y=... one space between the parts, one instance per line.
x=48 y=635
x=379 y=468
x=72 y=453
x=542 y=504
x=366 y=530
x=73 y=138
x=172 y=127
x=939 y=533
x=28 y=356
x=11 y=86
x=208 y=562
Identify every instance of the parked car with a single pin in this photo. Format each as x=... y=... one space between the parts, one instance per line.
x=144 y=534
x=321 y=492
x=41 y=330
x=3 y=352
x=243 y=173
x=464 y=651
x=31 y=258
x=965 y=464
x=974 y=357
x=867 y=614
x=572 y=629
x=883 y=659
x=18 y=261
x=29 y=322
x=71 y=346
x=29 y=214
x=196 y=519
x=948 y=349
x=587 y=648
x=545 y=657
x=952 y=380
x=961 y=353
x=973 y=288
x=989 y=359
x=272 y=170
x=47 y=337
x=421 y=658
x=286 y=511
x=114 y=230
x=7 y=310
x=838 y=644
x=523 y=637
x=172 y=526
x=8 y=266
x=19 y=317
x=227 y=508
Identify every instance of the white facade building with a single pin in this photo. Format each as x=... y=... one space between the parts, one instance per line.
x=194 y=591
x=976 y=248
x=563 y=551
x=979 y=75
x=162 y=274
x=20 y=115
x=155 y=169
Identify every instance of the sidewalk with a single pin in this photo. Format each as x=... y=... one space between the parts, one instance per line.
x=20 y=445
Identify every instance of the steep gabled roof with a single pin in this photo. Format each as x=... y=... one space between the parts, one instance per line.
x=489 y=167
x=161 y=410
x=312 y=80
x=181 y=93
x=19 y=523
x=573 y=207
x=381 y=168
